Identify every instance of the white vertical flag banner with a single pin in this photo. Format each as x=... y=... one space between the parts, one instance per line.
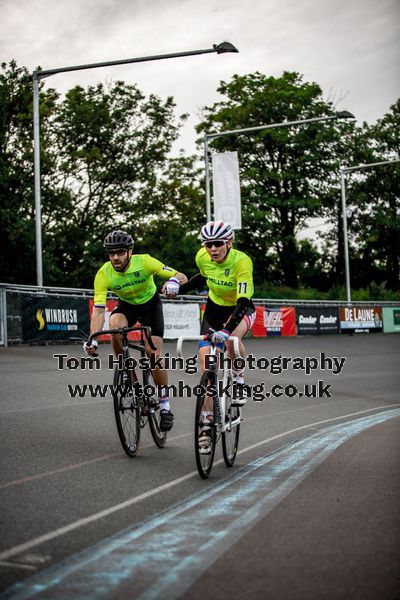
x=226 y=187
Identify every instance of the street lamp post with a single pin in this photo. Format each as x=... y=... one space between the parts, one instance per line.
x=42 y=74
x=343 y=172
x=344 y=114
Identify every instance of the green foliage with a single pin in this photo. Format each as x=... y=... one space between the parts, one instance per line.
x=371 y=293
x=166 y=242
x=283 y=292
x=112 y=146
x=374 y=199
x=286 y=173
x=105 y=163
x=17 y=240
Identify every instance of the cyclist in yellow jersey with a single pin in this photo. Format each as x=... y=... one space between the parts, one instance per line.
x=131 y=278
x=228 y=274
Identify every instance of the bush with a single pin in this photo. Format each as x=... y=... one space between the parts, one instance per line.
x=372 y=293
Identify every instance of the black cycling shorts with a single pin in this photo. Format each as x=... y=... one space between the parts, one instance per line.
x=215 y=316
x=149 y=314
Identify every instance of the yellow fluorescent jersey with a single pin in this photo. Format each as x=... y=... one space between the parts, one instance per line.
x=134 y=285
x=229 y=280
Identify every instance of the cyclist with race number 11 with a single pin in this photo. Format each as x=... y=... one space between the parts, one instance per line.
x=228 y=274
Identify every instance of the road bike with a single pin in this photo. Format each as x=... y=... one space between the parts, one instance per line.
x=135 y=401
x=216 y=392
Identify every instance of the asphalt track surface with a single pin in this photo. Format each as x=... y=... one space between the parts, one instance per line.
x=309 y=510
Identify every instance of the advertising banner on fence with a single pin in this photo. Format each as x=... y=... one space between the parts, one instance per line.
x=317 y=320
x=391 y=319
x=274 y=321
x=179 y=319
x=49 y=318
x=361 y=319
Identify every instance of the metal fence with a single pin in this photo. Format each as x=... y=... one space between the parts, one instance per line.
x=11 y=295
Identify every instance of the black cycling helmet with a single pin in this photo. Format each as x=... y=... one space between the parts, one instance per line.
x=118 y=239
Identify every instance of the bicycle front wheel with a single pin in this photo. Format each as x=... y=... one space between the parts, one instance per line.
x=206 y=401
x=153 y=407
x=230 y=437
x=127 y=412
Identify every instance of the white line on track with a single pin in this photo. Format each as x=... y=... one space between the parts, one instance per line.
x=60 y=405
x=4 y=563
x=109 y=400
x=78 y=465
x=127 y=503
x=279 y=435
x=84 y=463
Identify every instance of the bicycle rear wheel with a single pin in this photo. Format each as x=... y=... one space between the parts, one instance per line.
x=230 y=437
x=127 y=412
x=204 y=462
x=153 y=406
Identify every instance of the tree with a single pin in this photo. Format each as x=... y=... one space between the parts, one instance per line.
x=112 y=147
x=104 y=164
x=174 y=235
x=17 y=240
x=375 y=198
x=287 y=173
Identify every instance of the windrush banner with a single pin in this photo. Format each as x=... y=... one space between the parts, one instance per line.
x=226 y=187
x=48 y=318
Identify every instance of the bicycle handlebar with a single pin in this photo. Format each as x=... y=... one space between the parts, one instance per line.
x=124 y=331
x=198 y=338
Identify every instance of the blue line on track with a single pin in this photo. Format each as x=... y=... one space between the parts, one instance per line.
x=163 y=556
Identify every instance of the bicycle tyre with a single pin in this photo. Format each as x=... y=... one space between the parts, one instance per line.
x=230 y=438
x=204 y=462
x=127 y=414
x=154 y=417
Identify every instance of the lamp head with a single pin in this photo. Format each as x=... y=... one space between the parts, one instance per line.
x=224 y=47
x=345 y=114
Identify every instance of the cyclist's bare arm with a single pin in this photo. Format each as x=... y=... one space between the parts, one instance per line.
x=97 y=320
x=96 y=324
x=181 y=277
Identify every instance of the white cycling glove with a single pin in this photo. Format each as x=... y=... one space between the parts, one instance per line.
x=86 y=347
x=172 y=287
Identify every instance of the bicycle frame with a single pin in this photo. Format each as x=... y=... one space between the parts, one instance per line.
x=140 y=407
x=123 y=331
x=220 y=417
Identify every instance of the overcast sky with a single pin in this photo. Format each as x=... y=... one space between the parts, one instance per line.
x=350 y=47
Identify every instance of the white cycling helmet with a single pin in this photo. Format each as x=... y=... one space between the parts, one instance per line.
x=216 y=230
